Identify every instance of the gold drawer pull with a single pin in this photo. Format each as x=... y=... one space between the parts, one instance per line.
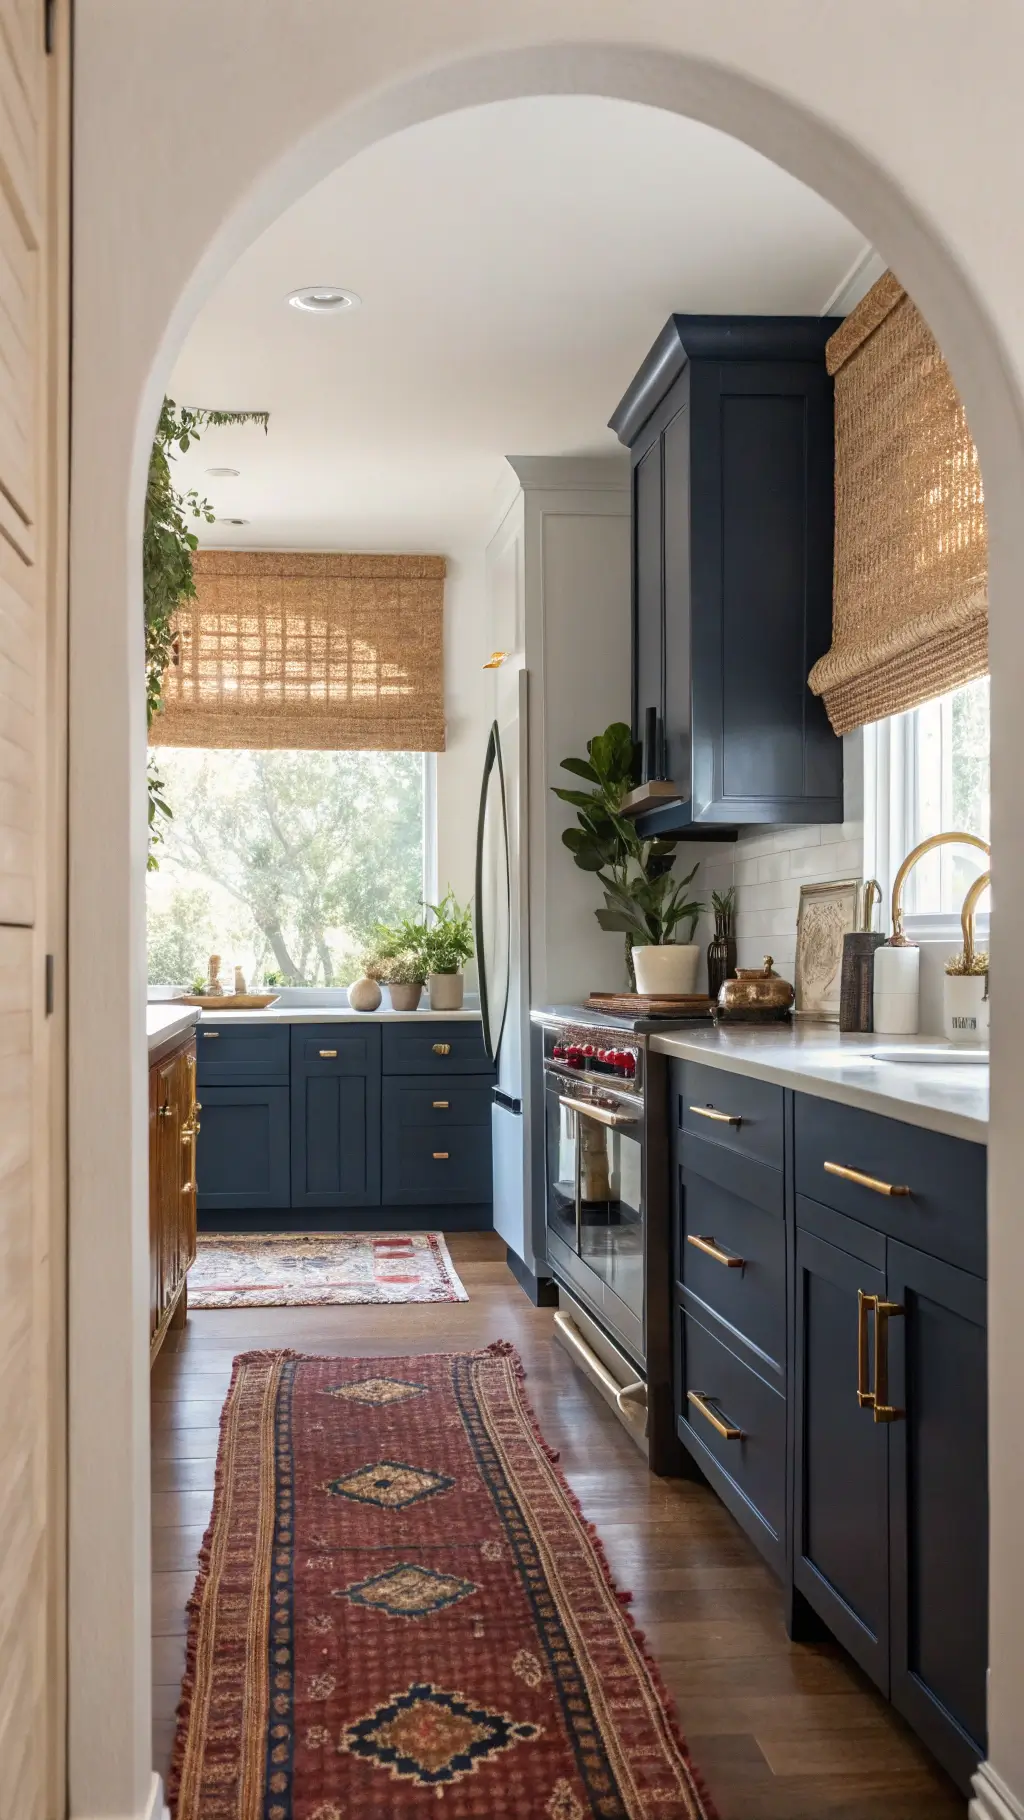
x=328 y=1053
x=864 y=1181
x=707 y=1244
x=440 y=1105
x=441 y=1048
x=720 y=1118
x=440 y=1156
x=884 y=1411
x=728 y=1433
x=866 y=1304
x=211 y=1035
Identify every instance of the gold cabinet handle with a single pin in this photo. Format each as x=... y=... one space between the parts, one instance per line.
x=884 y=1312
x=866 y=1304
x=210 y=1036
x=864 y=1181
x=720 y=1118
x=440 y=1105
x=728 y=1433
x=707 y=1245
x=440 y=1156
x=188 y=1132
x=328 y=1053
x=441 y=1048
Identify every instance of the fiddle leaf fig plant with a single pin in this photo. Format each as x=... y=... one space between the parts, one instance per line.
x=641 y=899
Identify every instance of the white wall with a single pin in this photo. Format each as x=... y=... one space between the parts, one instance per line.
x=917 y=135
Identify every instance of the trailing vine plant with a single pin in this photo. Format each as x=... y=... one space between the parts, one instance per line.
x=168 y=545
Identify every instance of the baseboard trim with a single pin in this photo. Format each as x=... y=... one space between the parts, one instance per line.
x=542 y=1291
x=992 y=1799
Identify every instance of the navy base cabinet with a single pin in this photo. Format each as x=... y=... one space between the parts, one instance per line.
x=335 y=1105
x=325 y=1120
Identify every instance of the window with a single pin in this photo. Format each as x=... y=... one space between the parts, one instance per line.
x=283 y=861
x=926 y=771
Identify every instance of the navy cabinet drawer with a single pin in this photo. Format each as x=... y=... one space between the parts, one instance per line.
x=433 y=1048
x=239 y=1053
x=944 y=1212
x=242 y=1155
x=440 y=1104
x=740 y=1114
x=751 y=1467
x=335 y=1049
x=715 y=1229
x=428 y=1166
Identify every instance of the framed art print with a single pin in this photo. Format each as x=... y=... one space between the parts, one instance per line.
x=826 y=914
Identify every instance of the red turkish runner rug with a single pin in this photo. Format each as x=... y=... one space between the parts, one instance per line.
x=305 y=1270
x=401 y=1612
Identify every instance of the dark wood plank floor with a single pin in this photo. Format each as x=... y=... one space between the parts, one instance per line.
x=780 y=1731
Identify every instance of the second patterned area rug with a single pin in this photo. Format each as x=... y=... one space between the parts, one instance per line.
x=299 y=1270
x=401 y=1612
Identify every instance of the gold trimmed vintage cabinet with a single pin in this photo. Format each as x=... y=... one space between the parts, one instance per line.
x=173 y=1130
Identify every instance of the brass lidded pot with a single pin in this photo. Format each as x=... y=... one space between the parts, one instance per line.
x=756 y=989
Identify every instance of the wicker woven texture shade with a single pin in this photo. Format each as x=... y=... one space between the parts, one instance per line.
x=316 y=651
x=910 y=607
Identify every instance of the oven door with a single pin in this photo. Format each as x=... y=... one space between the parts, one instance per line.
x=595 y=1204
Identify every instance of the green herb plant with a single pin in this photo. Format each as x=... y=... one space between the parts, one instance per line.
x=447 y=942
x=642 y=901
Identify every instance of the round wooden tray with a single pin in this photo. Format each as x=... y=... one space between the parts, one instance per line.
x=230 y=1001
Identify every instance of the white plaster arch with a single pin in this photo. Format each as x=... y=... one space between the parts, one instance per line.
x=125 y=348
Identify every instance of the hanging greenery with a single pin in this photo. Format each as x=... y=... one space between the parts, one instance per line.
x=168 y=545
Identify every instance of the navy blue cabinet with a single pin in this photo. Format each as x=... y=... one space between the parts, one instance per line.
x=729 y=423
x=335 y=1114
x=436 y=1139
x=243 y=1149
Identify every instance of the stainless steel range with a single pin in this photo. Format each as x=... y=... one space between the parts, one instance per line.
x=606 y=1204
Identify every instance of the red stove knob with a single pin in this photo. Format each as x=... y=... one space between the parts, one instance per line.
x=588 y=1048
x=558 y=1051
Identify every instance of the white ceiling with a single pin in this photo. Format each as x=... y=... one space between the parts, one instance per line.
x=515 y=263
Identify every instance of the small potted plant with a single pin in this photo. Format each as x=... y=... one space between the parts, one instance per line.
x=445 y=946
x=395 y=961
x=650 y=911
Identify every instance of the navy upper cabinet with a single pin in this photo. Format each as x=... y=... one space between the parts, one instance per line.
x=729 y=422
x=335 y=1102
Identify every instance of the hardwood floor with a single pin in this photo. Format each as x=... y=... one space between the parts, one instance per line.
x=780 y=1731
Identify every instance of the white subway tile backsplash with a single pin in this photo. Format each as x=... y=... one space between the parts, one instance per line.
x=772 y=866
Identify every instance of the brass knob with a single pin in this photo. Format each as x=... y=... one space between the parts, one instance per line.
x=442 y=1048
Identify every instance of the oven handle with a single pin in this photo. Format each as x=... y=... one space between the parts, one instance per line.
x=603 y=1117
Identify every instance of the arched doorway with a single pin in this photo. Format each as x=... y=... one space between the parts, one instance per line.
x=254 y=142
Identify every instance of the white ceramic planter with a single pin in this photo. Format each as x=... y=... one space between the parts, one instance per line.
x=670 y=967
x=406 y=998
x=965 y=1007
x=446 y=991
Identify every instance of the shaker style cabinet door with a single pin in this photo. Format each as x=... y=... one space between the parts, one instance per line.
x=335 y=1116
x=841 y=1491
x=939 y=1505
x=242 y=1158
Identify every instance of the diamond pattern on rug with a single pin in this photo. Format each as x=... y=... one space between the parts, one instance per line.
x=408 y=1591
x=389 y=1484
x=377 y=1390
x=431 y=1737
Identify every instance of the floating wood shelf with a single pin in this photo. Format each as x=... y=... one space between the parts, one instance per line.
x=653 y=795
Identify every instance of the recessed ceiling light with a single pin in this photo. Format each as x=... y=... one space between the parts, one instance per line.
x=223 y=473
x=324 y=300
x=232 y=521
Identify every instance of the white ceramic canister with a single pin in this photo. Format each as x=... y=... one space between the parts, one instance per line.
x=897 y=995
x=666 y=968
x=965 y=1007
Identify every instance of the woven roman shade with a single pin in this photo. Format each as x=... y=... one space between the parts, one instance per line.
x=910 y=605
x=286 y=648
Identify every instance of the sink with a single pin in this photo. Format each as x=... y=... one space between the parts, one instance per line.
x=949 y=1055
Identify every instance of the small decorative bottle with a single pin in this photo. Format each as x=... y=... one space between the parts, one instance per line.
x=214 y=989
x=722 y=947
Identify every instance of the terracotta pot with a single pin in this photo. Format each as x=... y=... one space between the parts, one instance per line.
x=364 y=995
x=406 y=998
x=666 y=968
x=446 y=991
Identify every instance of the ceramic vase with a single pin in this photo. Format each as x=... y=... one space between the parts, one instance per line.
x=965 y=1007
x=721 y=955
x=406 y=998
x=446 y=991
x=666 y=968
x=364 y=995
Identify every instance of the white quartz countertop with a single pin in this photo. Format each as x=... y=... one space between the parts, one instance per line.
x=168 y=1020
x=337 y=1014
x=816 y=1059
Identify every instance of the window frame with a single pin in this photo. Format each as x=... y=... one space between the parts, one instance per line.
x=890 y=760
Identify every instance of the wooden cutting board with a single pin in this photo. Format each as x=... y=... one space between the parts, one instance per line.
x=648 y=1004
